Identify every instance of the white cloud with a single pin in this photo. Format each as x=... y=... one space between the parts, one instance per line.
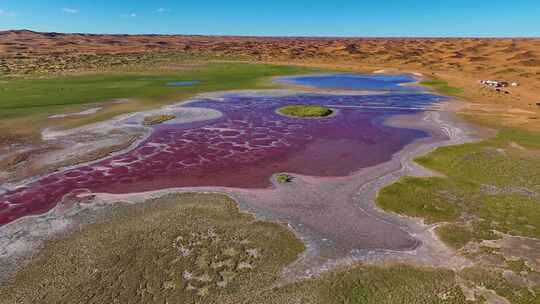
x=70 y=10
x=162 y=10
x=130 y=15
x=4 y=13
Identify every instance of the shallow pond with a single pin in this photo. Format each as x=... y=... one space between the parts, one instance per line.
x=353 y=82
x=182 y=83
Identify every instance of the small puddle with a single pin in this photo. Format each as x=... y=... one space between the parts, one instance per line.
x=182 y=83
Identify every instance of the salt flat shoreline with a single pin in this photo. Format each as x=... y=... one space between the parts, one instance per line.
x=355 y=193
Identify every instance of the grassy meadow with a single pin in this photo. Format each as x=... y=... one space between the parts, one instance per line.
x=487 y=186
x=486 y=190
x=178 y=249
x=198 y=248
x=442 y=87
x=26 y=102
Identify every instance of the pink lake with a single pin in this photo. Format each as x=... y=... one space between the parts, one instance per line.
x=243 y=148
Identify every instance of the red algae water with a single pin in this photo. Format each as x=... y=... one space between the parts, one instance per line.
x=243 y=148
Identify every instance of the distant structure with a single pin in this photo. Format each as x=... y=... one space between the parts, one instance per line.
x=495 y=84
x=498 y=85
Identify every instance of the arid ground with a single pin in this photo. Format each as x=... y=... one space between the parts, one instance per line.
x=451 y=216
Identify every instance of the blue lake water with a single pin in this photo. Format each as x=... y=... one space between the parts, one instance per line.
x=182 y=83
x=352 y=82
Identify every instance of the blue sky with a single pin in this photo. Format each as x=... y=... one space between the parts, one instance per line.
x=278 y=17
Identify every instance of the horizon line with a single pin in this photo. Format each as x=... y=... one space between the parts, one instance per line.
x=270 y=36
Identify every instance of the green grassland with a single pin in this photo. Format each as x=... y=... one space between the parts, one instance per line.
x=494 y=280
x=198 y=248
x=488 y=186
x=178 y=249
x=442 y=87
x=361 y=284
x=305 y=111
x=33 y=99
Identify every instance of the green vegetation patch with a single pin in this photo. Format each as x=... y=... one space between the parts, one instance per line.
x=23 y=96
x=488 y=186
x=198 y=248
x=284 y=178
x=377 y=285
x=305 y=111
x=157 y=119
x=35 y=98
x=456 y=236
x=518 y=266
x=494 y=280
x=522 y=138
x=442 y=87
x=415 y=197
x=187 y=248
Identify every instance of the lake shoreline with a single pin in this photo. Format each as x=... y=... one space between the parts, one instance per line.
x=32 y=232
